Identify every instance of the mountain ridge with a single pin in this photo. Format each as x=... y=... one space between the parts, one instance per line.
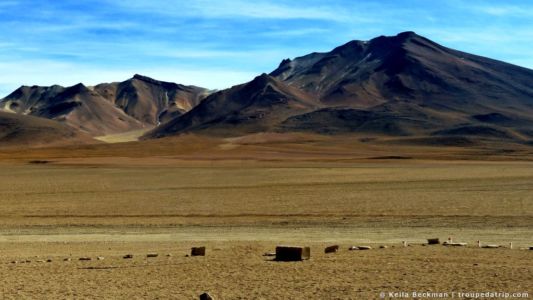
x=403 y=86
x=107 y=108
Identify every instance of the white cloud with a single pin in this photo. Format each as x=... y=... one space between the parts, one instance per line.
x=505 y=10
x=7 y=3
x=238 y=8
x=494 y=8
x=294 y=32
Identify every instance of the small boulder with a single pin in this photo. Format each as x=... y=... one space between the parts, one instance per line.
x=100 y=258
x=454 y=244
x=85 y=258
x=198 y=251
x=331 y=249
x=206 y=296
x=152 y=255
x=434 y=241
x=290 y=253
x=359 y=248
x=127 y=256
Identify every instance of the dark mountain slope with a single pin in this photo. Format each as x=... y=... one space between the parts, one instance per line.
x=410 y=68
x=259 y=105
x=27 y=131
x=409 y=79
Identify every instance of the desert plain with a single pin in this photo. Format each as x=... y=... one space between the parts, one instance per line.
x=241 y=200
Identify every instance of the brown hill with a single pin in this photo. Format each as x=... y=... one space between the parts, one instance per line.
x=151 y=101
x=137 y=103
x=28 y=131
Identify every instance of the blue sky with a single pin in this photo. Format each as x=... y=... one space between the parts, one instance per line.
x=219 y=43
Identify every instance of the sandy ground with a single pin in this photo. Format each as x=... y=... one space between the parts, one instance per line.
x=237 y=270
x=240 y=210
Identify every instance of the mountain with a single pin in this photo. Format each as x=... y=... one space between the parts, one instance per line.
x=28 y=131
x=256 y=106
x=406 y=84
x=403 y=85
x=137 y=103
x=151 y=101
x=77 y=106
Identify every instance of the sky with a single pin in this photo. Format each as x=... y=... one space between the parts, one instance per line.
x=220 y=43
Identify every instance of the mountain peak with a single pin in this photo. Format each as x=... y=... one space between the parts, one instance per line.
x=262 y=79
x=143 y=78
x=407 y=34
x=80 y=87
x=398 y=39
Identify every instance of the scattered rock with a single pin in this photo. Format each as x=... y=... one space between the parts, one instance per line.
x=169 y=255
x=49 y=260
x=490 y=246
x=331 y=249
x=383 y=247
x=360 y=248
x=39 y=162
x=128 y=256
x=206 y=296
x=434 y=241
x=198 y=251
x=67 y=259
x=100 y=258
x=269 y=254
x=289 y=253
x=453 y=244
x=14 y=262
x=85 y=258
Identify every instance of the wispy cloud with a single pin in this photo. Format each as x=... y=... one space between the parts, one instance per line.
x=8 y=3
x=505 y=10
x=221 y=43
x=239 y=8
x=295 y=32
